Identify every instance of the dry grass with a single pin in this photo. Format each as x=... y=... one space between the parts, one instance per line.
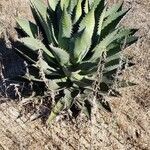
x=127 y=128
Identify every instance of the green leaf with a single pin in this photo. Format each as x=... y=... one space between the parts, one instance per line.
x=113 y=48
x=99 y=6
x=124 y=83
x=103 y=103
x=83 y=41
x=119 y=33
x=113 y=62
x=76 y=76
x=86 y=6
x=41 y=63
x=65 y=29
x=53 y=4
x=88 y=20
x=113 y=9
x=116 y=47
x=1 y=28
x=114 y=17
x=113 y=57
x=130 y=40
x=28 y=27
x=84 y=82
x=35 y=45
x=68 y=99
x=55 y=17
x=41 y=12
x=31 y=77
x=72 y=5
x=64 y=3
x=108 y=81
x=87 y=108
x=101 y=20
x=60 y=105
x=40 y=8
x=53 y=84
x=86 y=66
x=26 y=57
x=55 y=111
x=101 y=47
x=78 y=11
x=111 y=68
x=61 y=55
x=96 y=3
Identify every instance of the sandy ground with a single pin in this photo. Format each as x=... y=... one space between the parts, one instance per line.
x=127 y=128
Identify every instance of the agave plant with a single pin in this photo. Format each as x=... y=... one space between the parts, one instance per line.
x=72 y=44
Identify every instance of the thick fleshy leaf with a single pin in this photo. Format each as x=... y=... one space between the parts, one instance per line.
x=96 y=3
x=28 y=27
x=101 y=47
x=90 y=3
x=32 y=77
x=68 y=99
x=103 y=103
x=111 y=22
x=113 y=57
x=86 y=66
x=124 y=83
x=53 y=84
x=113 y=9
x=114 y=17
x=1 y=28
x=130 y=40
x=87 y=108
x=72 y=5
x=42 y=64
x=76 y=76
x=99 y=6
x=84 y=82
x=65 y=29
x=113 y=36
x=61 y=55
x=55 y=111
x=41 y=11
x=78 y=11
x=86 y=6
x=111 y=68
x=53 y=4
x=87 y=20
x=55 y=17
x=108 y=82
x=40 y=8
x=113 y=61
x=64 y=3
x=26 y=57
x=116 y=47
x=60 y=105
x=35 y=45
x=83 y=41
x=101 y=20
x=113 y=48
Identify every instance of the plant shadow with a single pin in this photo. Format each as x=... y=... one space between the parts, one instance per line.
x=11 y=65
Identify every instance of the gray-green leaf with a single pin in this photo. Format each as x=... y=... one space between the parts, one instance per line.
x=28 y=27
